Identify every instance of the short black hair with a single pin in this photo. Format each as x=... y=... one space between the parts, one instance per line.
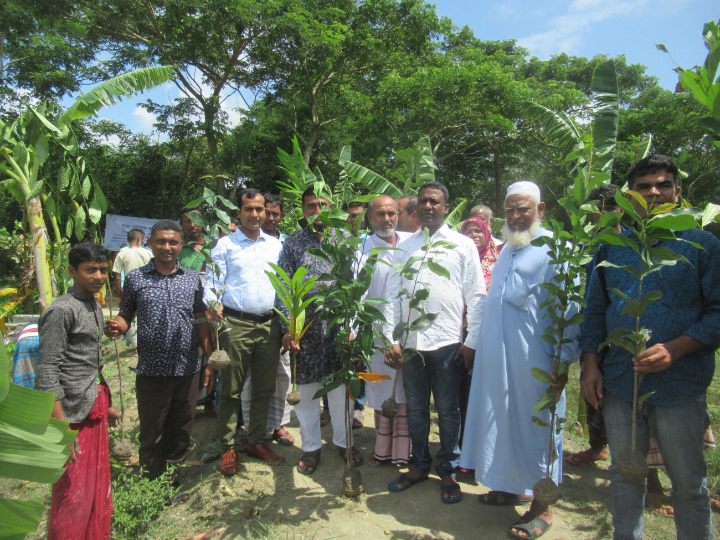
x=411 y=206
x=87 y=252
x=309 y=192
x=249 y=193
x=185 y=210
x=355 y=204
x=271 y=198
x=652 y=164
x=604 y=194
x=166 y=225
x=135 y=235
x=436 y=185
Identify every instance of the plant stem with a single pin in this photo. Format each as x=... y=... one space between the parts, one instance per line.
x=117 y=363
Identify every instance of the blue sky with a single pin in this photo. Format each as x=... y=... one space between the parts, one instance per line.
x=545 y=28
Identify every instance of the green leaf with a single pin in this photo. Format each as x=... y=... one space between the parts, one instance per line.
x=45 y=122
x=546 y=401
x=540 y=422
x=542 y=376
x=79 y=219
x=4 y=372
x=423 y=322
x=19 y=518
x=117 y=88
x=435 y=268
x=673 y=221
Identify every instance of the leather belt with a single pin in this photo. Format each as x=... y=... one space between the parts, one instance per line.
x=242 y=315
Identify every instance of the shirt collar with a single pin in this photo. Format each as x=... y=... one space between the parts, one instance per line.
x=149 y=268
x=78 y=293
x=240 y=236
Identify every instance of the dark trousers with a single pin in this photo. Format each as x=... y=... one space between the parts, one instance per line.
x=166 y=409
x=437 y=373
x=596 y=426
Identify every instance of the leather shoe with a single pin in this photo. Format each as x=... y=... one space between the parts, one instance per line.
x=262 y=451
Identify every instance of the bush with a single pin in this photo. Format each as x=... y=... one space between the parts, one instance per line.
x=138 y=501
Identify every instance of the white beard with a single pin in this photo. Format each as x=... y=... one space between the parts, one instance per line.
x=520 y=239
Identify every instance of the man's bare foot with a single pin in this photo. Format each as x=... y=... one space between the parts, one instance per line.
x=659 y=503
x=587 y=456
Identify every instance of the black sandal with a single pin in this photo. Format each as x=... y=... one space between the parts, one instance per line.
x=308 y=462
x=405 y=481
x=534 y=528
x=450 y=493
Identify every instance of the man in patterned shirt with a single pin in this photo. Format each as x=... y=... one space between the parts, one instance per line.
x=168 y=300
x=316 y=354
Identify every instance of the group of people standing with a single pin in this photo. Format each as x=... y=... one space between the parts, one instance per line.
x=475 y=358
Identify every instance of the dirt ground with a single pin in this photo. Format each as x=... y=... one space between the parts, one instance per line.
x=265 y=501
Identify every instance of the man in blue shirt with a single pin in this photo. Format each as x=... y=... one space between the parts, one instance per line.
x=240 y=294
x=678 y=363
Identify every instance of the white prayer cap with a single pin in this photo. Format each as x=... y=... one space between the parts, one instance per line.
x=524 y=187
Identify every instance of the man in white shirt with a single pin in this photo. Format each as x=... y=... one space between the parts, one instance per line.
x=392 y=441
x=241 y=295
x=437 y=352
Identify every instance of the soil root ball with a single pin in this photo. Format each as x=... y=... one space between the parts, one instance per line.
x=293 y=398
x=389 y=408
x=121 y=449
x=633 y=467
x=219 y=360
x=352 y=483
x=546 y=492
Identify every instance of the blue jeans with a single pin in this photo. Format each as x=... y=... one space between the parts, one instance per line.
x=437 y=371
x=679 y=431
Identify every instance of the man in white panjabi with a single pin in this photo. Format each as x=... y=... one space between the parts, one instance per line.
x=506 y=449
x=392 y=440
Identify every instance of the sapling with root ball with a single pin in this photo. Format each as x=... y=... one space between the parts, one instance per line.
x=352 y=317
x=292 y=292
x=652 y=226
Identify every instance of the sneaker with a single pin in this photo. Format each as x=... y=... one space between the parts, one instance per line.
x=229 y=462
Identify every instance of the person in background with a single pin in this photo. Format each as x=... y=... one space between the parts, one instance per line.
x=485 y=213
x=392 y=440
x=478 y=231
x=70 y=366
x=191 y=255
x=407 y=215
x=128 y=259
x=168 y=301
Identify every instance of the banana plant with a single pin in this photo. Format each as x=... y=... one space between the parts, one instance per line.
x=703 y=82
x=651 y=226
x=34 y=447
x=26 y=143
x=292 y=292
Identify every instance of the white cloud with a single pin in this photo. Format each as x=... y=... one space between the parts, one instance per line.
x=144 y=120
x=567 y=30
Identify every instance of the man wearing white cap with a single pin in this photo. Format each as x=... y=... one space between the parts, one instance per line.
x=507 y=450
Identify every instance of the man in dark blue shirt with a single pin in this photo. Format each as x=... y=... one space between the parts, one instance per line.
x=678 y=363
x=168 y=301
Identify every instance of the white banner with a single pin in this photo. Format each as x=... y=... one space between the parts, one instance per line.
x=117 y=227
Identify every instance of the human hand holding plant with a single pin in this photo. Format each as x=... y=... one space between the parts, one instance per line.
x=291 y=291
